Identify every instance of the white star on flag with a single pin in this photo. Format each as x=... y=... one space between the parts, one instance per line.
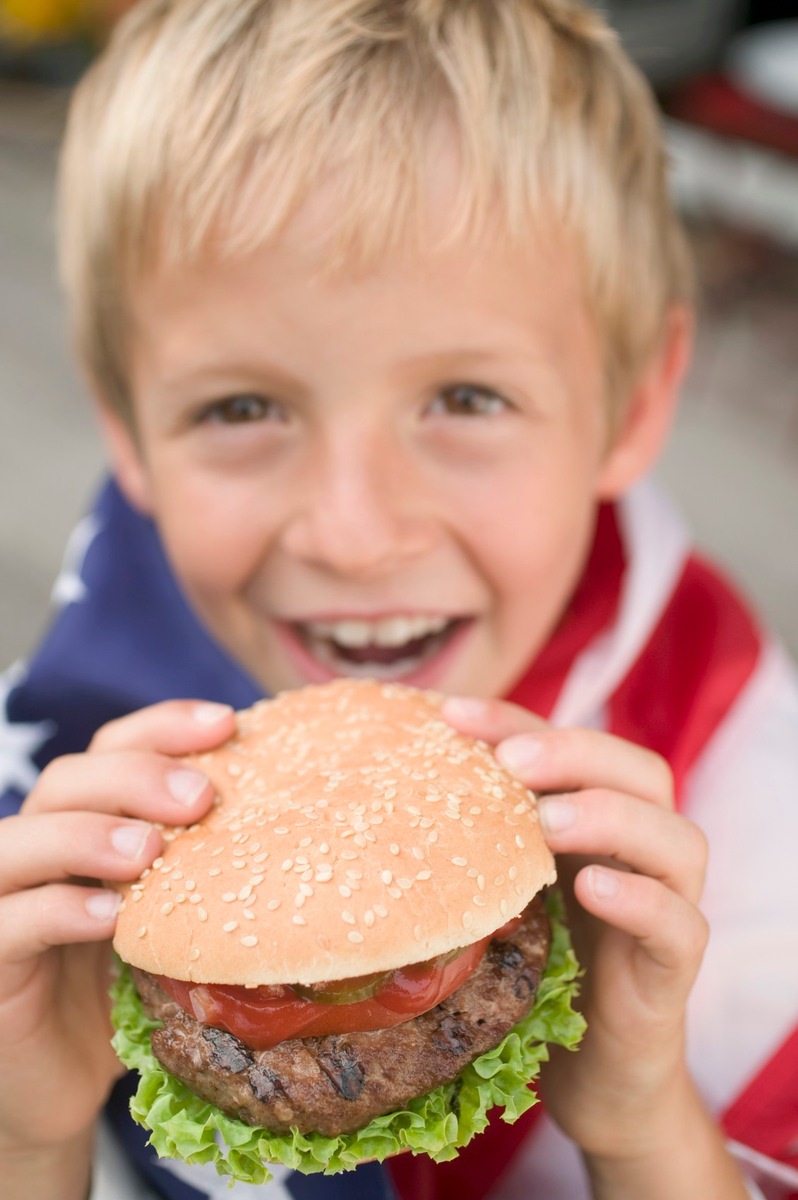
x=69 y=587
x=19 y=740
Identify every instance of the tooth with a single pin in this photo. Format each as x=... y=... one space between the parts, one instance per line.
x=352 y=633
x=393 y=631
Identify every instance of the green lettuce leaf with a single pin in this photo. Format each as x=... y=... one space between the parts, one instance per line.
x=438 y=1124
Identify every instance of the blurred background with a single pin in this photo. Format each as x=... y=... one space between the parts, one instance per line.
x=726 y=73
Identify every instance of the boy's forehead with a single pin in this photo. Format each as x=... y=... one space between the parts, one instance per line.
x=278 y=310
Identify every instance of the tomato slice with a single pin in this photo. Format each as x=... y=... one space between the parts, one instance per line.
x=264 y=1016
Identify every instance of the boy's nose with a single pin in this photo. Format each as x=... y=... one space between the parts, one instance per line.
x=361 y=516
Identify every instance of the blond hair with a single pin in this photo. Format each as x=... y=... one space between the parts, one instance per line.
x=202 y=110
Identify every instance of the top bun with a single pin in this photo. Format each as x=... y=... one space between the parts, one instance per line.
x=354 y=831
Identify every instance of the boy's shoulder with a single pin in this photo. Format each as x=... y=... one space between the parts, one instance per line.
x=122 y=637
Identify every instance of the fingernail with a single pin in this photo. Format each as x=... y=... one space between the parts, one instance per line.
x=130 y=840
x=603 y=883
x=519 y=753
x=186 y=786
x=555 y=813
x=103 y=905
x=211 y=714
x=464 y=708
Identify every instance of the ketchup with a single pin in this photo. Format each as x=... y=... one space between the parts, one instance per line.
x=264 y=1016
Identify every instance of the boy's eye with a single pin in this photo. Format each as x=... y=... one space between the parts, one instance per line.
x=468 y=400
x=240 y=409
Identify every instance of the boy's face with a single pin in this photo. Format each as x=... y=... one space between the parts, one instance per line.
x=392 y=474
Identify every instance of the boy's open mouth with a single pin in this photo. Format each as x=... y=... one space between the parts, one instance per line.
x=387 y=648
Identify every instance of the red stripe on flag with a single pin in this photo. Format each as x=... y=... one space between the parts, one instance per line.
x=700 y=656
x=765 y=1115
x=592 y=609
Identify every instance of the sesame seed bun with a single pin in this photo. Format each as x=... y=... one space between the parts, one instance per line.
x=355 y=831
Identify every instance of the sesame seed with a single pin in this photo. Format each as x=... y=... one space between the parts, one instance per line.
x=229 y=926
x=287 y=864
x=273 y=904
x=245 y=892
x=195 y=953
x=157 y=863
x=195 y=898
x=228 y=897
x=298 y=919
x=344 y=891
x=181 y=899
x=395 y=892
x=381 y=910
x=468 y=920
x=513 y=872
x=299 y=900
x=214 y=871
x=142 y=932
x=167 y=908
x=460 y=862
x=480 y=901
x=166 y=886
x=348 y=917
x=386 y=876
x=249 y=914
x=249 y=940
x=368 y=918
x=202 y=914
x=354 y=936
x=519 y=841
x=239 y=864
x=404 y=883
x=424 y=875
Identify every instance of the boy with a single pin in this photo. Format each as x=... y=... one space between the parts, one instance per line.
x=386 y=311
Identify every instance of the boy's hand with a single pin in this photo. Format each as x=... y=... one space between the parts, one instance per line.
x=89 y=818
x=636 y=869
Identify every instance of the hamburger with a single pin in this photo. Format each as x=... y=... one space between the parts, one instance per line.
x=355 y=953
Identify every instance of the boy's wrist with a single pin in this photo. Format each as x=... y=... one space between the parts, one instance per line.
x=683 y=1153
x=60 y=1172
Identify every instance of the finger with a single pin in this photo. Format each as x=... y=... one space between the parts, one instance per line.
x=173 y=727
x=49 y=847
x=33 y=921
x=644 y=837
x=132 y=783
x=564 y=760
x=490 y=720
x=671 y=933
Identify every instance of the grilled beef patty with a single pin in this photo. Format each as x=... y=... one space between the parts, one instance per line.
x=338 y=1083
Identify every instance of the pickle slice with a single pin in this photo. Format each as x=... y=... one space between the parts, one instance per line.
x=343 y=991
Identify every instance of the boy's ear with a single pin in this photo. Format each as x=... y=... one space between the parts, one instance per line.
x=650 y=408
x=126 y=458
